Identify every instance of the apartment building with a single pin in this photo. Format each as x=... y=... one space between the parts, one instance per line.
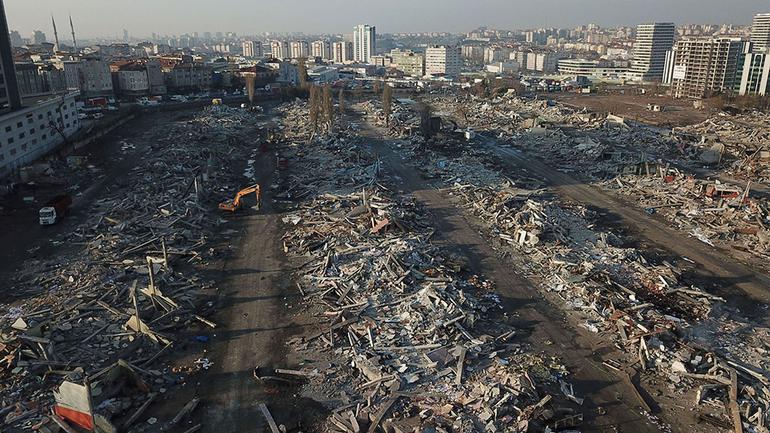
x=364 y=42
x=408 y=62
x=279 y=49
x=652 y=43
x=760 y=33
x=252 y=49
x=443 y=61
x=704 y=66
x=299 y=49
x=321 y=49
x=342 y=52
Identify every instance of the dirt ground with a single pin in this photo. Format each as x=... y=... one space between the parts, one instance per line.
x=677 y=112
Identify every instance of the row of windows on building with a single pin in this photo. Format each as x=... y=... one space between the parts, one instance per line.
x=19 y=125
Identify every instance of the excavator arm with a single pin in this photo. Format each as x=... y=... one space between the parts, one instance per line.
x=236 y=203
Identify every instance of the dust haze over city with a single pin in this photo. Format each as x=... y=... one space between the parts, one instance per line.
x=392 y=217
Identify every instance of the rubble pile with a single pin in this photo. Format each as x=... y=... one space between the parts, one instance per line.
x=739 y=140
x=642 y=304
x=709 y=210
x=127 y=289
x=407 y=340
x=649 y=166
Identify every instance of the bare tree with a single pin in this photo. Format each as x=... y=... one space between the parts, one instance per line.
x=314 y=106
x=302 y=73
x=387 y=103
x=328 y=107
x=426 y=112
x=358 y=93
x=341 y=101
x=377 y=86
x=250 y=86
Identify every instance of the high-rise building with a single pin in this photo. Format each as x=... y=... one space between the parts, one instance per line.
x=298 y=49
x=760 y=33
x=755 y=75
x=279 y=49
x=16 y=40
x=320 y=49
x=252 y=49
x=443 y=60
x=364 y=42
x=652 y=43
x=9 y=89
x=702 y=66
x=342 y=52
x=38 y=37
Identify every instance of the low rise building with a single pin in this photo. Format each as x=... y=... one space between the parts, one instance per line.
x=132 y=80
x=95 y=77
x=188 y=76
x=408 y=62
x=323 y=74
x=37 y=128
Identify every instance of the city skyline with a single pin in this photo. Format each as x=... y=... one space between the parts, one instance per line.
x=339 y=16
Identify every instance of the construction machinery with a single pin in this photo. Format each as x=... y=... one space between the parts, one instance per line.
x=237 y=202
x=54 y=209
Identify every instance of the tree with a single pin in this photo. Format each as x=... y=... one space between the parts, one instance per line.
x=250 y=86
x=377 y=86
x=341 y=101
x=302 y=73
x=314 y=106
x=426 y=112
x=328 y=107
x=387 y=103
x=358 y=93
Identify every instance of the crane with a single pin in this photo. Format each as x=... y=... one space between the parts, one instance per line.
x=236 y=203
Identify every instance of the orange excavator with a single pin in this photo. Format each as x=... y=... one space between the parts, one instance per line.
x=237 y=202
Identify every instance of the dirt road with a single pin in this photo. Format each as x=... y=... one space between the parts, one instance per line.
x=740 y=285
x=541 y=325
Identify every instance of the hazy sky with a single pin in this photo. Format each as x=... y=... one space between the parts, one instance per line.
x=142 y=17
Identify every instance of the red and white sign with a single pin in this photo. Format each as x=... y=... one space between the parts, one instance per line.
x=73 y=403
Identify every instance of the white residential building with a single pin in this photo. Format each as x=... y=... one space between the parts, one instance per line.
x=96 y=78
x=342 y=52
x=364 y=42
x=760 y=33
x=279 y=49
x=299 y=49
x=252 y=49
x=652 y=43
x=755 y=77
x=443 y=61
x=36 y=129
x=321 y=49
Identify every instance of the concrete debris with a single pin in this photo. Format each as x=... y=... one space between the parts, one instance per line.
x=646 y=305
x=405 y=341
x=108 y=311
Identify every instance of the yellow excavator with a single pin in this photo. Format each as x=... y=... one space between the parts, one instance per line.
x=237 y=202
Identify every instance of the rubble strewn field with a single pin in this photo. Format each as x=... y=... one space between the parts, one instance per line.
x=700 y=177
x=409 y=340
x=644 y=306
x=132 y=288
